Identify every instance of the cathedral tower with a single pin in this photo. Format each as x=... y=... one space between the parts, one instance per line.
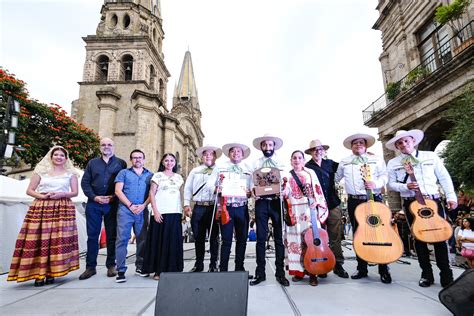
x=123 y=91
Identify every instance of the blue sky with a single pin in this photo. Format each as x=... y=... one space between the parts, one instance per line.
x=300 y=69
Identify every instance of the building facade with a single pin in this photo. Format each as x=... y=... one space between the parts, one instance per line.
x=123 y=91
x=426 y=67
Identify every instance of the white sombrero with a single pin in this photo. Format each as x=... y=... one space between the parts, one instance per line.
x=348 y=141
x=277 y=141
x=313 y=144
x=415 y=133
x=227 y=147
x=202 y=149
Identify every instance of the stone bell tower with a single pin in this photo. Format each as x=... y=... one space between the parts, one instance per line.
x=123 y=91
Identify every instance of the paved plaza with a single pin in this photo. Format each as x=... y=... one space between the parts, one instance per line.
x=100 y=295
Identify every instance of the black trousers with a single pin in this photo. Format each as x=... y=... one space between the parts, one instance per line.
x=264 y=210
x=440 y=248
x=201 y=224
x=351 y=206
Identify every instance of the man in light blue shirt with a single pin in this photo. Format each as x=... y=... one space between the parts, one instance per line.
x=131 y=187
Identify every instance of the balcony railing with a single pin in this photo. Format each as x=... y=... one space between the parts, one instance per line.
x=431 y=62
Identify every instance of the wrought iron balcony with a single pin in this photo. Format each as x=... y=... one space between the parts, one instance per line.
x=433 y=61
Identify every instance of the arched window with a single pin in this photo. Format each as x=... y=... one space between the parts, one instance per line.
x=102 y=68
x=152 y=77
x=127 y=68
x=178 y=165
x=126 y=21
x=161 y=91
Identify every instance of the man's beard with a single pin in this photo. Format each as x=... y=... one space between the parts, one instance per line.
x=268 y=153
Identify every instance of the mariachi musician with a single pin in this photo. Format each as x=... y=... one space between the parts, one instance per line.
x=203 y=197
x=428 y=169
x=232 y=178
x=350 y=169
x=266 y=207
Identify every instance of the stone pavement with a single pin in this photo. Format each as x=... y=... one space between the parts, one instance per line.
x=100 y=295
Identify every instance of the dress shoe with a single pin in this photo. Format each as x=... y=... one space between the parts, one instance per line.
x=49 y=280
x=296 y=278
x=358 y=275
x=258 y=279
x=87 y=274
x=323 y=276
x=39 y=283
x=386 y=278
x=425 y=282
x=111 y=272
x=340 y=272
x=283 y=281
x=195 y=269
x=212 y=269
x=313 y=280
x=446 y=281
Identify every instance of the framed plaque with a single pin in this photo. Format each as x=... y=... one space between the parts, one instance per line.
x=266 y=181
x=233 y=185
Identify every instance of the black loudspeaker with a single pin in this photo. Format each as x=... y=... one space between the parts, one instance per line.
x=458 y=297
x=203 y=293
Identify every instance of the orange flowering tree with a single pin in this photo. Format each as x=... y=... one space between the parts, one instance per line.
x=41 y=126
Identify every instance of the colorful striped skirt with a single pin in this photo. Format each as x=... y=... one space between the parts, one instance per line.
x=47 y=244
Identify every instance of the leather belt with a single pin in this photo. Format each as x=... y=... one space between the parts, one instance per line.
x=363 y=196
x=426 y=196
x=205 y=203
x=269 y=197
x=238 y=204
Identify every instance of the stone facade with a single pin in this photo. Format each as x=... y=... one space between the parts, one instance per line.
x=413 y=42
x=123 y=91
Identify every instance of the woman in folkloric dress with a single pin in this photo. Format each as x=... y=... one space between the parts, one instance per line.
x=47 y=245
x=301 y=210
x=164 y=244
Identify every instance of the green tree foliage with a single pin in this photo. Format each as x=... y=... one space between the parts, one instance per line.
x=458 y=154
x=41 y=126
x=452 y=13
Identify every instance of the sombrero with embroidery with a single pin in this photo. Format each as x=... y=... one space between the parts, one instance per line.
x=227 y=147
x=202 y=149
x=369 y=139
x=415 y=133
x=276 y=140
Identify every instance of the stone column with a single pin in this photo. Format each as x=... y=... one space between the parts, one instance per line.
x=170 y=134
x=393 y=198
x=107 y=112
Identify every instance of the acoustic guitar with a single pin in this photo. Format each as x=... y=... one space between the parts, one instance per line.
x=318 y=257
x=375 y=240
x=428 y=226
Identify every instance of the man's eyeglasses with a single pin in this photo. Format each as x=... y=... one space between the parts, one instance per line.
x=137 y=158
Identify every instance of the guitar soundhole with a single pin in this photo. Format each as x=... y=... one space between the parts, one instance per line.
x=425 y=212
x=317 y=242
x=373 y=220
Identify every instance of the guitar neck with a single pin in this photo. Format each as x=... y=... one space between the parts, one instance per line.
x=314 y=223
x=418 y=196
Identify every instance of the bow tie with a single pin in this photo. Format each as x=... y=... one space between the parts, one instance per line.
x=235 y=168
x=359 y=160
x=207 y=170
x=410 y=159
x=269 y=163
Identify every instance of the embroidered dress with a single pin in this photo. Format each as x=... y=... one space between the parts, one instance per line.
x=47 y=244
x=164 y=244
x=295 y=234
